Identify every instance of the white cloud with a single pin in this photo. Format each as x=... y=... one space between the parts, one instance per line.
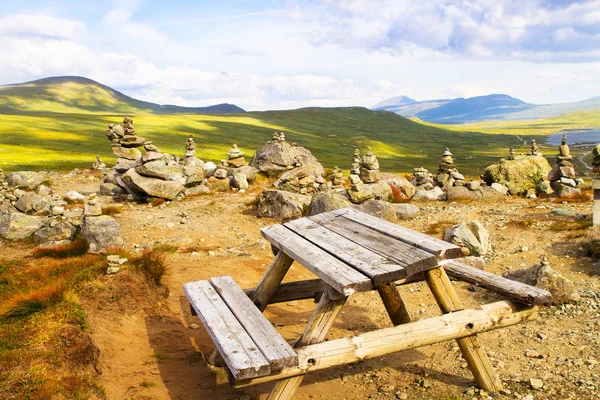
x=40 y=26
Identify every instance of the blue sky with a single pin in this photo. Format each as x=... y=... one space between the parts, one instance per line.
x=279 y=54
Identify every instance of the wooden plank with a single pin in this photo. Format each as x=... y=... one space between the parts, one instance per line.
x=412 y=259
x=384 y=341
x=275 y=348
x=292 y=291
x=315 y=332
x=420 y=240
x=393 y=303
x=513 y=290
x=379 y=269
x=334 y=272
x=241 y=355
x=472 y=350
x=271 y=280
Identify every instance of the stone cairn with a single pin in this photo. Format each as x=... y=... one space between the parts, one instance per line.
x=357 y=192
x=511 y=153
x=98 y=165
x=562 y=177
x=422 y=179
x=189 y=158
x=369 y=169
x=124 y=144
x=235 y=157
x=336 y=178
x=534 y=150
x=447 y=175
x=299 y=180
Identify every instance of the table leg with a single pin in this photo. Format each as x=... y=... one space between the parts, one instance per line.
x=472 y=350
x=393 y=303
x=316 y=331
x=262 y=293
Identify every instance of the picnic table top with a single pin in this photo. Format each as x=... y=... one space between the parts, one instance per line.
x=352 y=251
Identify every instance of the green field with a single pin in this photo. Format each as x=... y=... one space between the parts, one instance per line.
x=61 y=126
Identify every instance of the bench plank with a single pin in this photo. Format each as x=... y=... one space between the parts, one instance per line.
x=240 y=353
x=333 y=271
x=379 y=269
x=425 y=242
x=513 y=290
x=412 y=259
x=274 y=347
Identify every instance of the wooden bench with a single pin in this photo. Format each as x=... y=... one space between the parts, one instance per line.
x=352 y=252
x=248 y=343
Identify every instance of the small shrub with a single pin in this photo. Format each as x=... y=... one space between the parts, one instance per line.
x=577 y=225
x=111 y=210
x=148 y=384
x=34 y=301
x=165 y=248
x=76 y=248
x=152 y=264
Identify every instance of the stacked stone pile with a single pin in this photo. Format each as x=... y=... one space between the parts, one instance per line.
x=369 y=169
x=357 y=192
x=189 y=158
x=422 y=179
x=447 y=175
x=534 y=150
x=335 y=179
x=235 y=157
x=98 y=165
x=114 y=263
x=562 y=177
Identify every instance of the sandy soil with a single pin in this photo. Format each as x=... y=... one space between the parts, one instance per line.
x=149 y=351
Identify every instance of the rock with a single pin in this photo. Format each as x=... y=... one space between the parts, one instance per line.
x=19 y=193
x=359 y=196
x=109 y=189
x=218 y=185
x=404 y=186
x=380 y=209
x=543 y=276
x=128 y=154
x=431 y=195
x=152 y=187
x=197 y=190
x=328 y=201
x=151 y=156
x=381 y=190
x=236 y=162
x=563 y=213
x=26 y=180
x=17 y=226
x=123 y=164
x=554 y=173
x=406 y=211
x=471 y=235
x=209 y=168
x=568 y=182
x=55 y=244
x=518 y=175
x=501 y=188
x=112 y=270
x=472 y=185
x=274 y=157
x=239 y=181
x=530 y=194
x=74 y=196
x=281 y=204
x=154 y=169
x=220 y=173
x=102 y=233
x=60 y=231
x=132 y=141
x=536 y=384
x=564 y=191
x=43 y=190
x=32 y=202
x=472 y=261
x=567 y=172
x=247 y=170
x=456 y=193
x=543 y=187
x=370 y=175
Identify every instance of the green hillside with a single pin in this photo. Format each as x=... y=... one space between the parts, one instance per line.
x=57 y=134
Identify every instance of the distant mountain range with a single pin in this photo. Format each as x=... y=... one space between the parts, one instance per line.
x=490 y=107
x=75 y=94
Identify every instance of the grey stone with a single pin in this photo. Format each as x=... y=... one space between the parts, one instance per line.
x=62 y=230
x=17 y=226
x=194 y=175
x=562 y=191
x=128 y=154
x=220 y=173
x=151 y=156
x=543 y=276
x=154 y=169
x=518 y=175
x=563 y=212
x=73 y=196
x=247 y=170
x=274 y=157
x=281 y=204
x=197 y=190
x=471 y=235
x=381 y=190
x=359 y=196
x=406 y=188
x=568 y=182
x=152 y=187
x=123 y=164
x=32 y=202
x=109 y=189
x=499 y=188
x=472 y=185
x=431 y=195
x=370 y=175
x=239 y=181
x=328 y=201
x=102 y=233
x=209 y=168
x=43 y=190
x=27 y=180
x=379 y=208
x=405 y=211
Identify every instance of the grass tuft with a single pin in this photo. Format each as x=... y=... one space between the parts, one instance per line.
x=583 y=197
x=76 y=248
x=34 y=301
x=576 y=225
x=440 y=227
x=111 y=210
x=165 y=248
x=152 y=264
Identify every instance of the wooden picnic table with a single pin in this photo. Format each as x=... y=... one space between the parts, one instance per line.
x=349 y=252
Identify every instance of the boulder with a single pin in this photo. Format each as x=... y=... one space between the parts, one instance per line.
x=501 y=188
x=109 y=189
x=32 y=202
x=405 y=211
x=359 y=196
x=194 y=175
x=239 y=181
x=128 y=154
x=470 y=235
x=26 y=180
x=274 y=157
x=197 y=190
x=209 y=168
x=563 y=191
x=154 y=169
x=404 y=186
x=456 y=193
x=370 y=175
x=60 y=230
x=218 y=185
x=151 y=156
x=328 y=201
x=430 y=195
x=102 y=233
x=520 y=174
x=543 y=276
x=151 y=186
x=282 y=204
x=379 y=208
x=74 y=196
x=123 y=164
x=247 y=170
x=380 y=190
x=17 y=226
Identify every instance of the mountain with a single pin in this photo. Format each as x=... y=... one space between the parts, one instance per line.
x=75 y=94
x=394 y=102
x=480 y=108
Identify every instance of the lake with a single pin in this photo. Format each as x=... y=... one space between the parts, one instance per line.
x=591 y=136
